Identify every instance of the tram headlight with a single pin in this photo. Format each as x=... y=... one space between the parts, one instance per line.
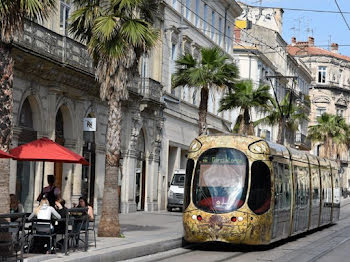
x=195 y=146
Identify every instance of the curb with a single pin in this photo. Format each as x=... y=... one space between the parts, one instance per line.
x=112 y=254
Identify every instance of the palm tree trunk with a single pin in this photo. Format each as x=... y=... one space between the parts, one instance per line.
x=240 y=121
x=203 y=110
x=249 y=124
x=246 y=127
x=280 y=136
x=6 y=107
x=327 y=144
x=109 y=222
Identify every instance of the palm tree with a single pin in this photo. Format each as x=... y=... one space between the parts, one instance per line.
x=330 y=129
x=245 y=97
x=214 y=70
x=276 y=114
x=12 y=17
x=117 y=34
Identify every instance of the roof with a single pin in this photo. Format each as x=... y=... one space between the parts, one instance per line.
x=305 y=50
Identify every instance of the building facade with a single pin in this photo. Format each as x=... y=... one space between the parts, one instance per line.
x=54 y=90
x=330 y=90
x=189 y=25
x=261 y=51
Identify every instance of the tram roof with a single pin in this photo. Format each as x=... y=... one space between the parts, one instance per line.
x=285 y=152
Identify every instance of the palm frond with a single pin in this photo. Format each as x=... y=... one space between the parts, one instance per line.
x=13 y=13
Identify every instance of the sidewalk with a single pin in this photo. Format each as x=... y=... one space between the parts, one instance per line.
x=145 y=233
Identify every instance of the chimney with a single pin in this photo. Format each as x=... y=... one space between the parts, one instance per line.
x=294 y=40
x=334 y=47
x=311 y=41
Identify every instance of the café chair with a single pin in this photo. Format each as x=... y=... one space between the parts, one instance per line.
x=42 y=229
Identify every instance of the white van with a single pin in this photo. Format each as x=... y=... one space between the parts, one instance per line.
x=176 y=190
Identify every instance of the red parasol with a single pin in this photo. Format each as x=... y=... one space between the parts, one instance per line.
x=5 y=155
x=45 y=149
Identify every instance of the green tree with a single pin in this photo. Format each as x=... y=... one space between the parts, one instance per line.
x=286 y=109
x=117 y=34
x=245 y=97
x=12 y=17
x=214 y=70
x=330 y=129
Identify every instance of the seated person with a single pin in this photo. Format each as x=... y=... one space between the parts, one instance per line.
x=83 y=203
x=45 y=211
x=15 y=206
x=80 y=224
x=62 y=211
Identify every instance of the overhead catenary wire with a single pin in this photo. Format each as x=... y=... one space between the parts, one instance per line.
x=342 y=14
x=220 y=33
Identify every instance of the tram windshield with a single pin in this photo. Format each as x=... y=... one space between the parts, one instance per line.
x=220 y=182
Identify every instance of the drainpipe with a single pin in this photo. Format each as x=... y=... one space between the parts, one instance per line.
x=225 y=25
x=250 y=67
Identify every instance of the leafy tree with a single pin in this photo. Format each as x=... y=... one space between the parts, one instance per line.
x=245 y=97
x=117 y=34
x=330 y=129
x=12 y=17
x=214 y=70
x=275 y=114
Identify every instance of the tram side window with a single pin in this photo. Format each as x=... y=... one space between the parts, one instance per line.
x=260 y=188
x=188 y=179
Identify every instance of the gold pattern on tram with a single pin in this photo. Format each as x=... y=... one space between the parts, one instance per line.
x=247 y=190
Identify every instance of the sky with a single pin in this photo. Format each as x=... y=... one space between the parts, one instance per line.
x=324 y=27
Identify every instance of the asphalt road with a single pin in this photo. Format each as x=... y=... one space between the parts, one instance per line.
x=331 y=243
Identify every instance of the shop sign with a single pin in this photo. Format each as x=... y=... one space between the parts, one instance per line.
x=89 y=124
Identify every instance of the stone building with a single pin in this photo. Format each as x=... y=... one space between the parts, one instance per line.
x=205 y=23
x=330 y=90
x=261 y=53
x=54 y=90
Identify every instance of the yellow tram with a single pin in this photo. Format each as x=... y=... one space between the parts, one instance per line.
x=245 y=190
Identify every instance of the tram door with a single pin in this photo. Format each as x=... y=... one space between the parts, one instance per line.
x=282 y=188
x=301 y=197
x=326 y=195
x=336 y=194
x=316 y=194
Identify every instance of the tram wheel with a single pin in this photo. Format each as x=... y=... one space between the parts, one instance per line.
x=169 y=209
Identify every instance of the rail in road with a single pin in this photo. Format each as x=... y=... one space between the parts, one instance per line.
x=309 y=246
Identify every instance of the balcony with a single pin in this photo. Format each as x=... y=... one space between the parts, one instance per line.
x=39 y=40
x=150 y=89
x=302 y=142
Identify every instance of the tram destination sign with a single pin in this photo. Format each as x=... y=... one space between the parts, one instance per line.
x=89 y=124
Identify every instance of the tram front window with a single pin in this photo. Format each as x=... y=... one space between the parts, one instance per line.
x=220 y=182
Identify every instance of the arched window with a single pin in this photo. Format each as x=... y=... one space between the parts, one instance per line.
x=59 y=127
x=26 y=116
x=260 y=188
